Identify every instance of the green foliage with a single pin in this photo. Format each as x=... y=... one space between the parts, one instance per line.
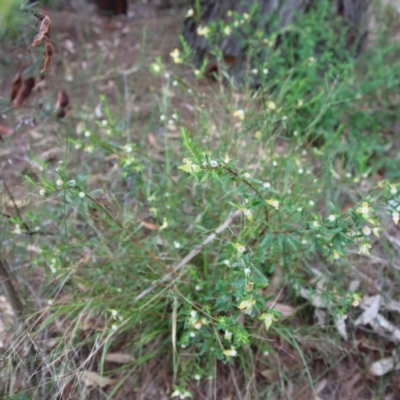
x=11 y=17
x=275 y=184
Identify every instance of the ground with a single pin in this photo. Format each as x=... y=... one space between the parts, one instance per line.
x=94 y=56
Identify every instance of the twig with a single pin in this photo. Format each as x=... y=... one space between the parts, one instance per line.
x=10 y=292
x=192 y=254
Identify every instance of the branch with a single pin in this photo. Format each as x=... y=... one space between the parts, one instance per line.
x=192 y=254
x=10 y=292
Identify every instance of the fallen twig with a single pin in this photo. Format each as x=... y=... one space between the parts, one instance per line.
x=192 y=254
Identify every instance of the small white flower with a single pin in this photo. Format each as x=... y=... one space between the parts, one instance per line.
x=189 y=13
x=311 y=203
x=114 y=313
x=104 y=122
x=198 y=288
x=197 y=377
x=190 y=91
x=247 y=306
x=81 y=195
x=254 y=71
x=364 y=209
x=393 y=189
x=348 y=175
x=114 y=327
x=274 y=163
x=87 y=133
x=299 y=210
x=266 y=185
x=336 y=255
x=295 y=133
x=177 y=245
x=241 y=249
x=366 y=230
x=192 y=334
x=155 y=67
x=315 y=224
x=271 y=105
x=42 y=192
x=247 y=271
x=284 y=118
x=246 y=175
x=78 y=146
x=175 y=55
x=197 y=72
x=174 y=116
x=395 y=217
x=364 y=249
x=17 y=230
x=300 y=171
x=274 y=203
x=247 y=212
x=174 y=83
x=227 y=263
x=311 y=60
x=197 y=325
x=332 y=218
x=214 y=164
x=231 y=352
x=128 y=148
x=239 y=114
x=164 y=225
x=171 y=122
x=59 y=182
x=228 y=336
x=304 y=241
x=203 y=30
x=299 y=103
x=167 y=75
x=162 y=117
x=227 y=30
x=193 y=313
x=265 y=71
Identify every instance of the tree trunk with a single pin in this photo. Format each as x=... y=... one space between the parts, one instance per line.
x=115 y=7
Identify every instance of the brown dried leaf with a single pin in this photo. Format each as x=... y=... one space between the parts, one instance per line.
x=285 y=309
x=383 y=366
x=153 y=142
x=61 y=113
x=91 y=378
x=48 y=56
x=119 y=358
x=271 y=375
x=16 y=85
x=62 y=99
x=150 y=226
x=4 y=131
x=24 y=92
x=44 y=31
